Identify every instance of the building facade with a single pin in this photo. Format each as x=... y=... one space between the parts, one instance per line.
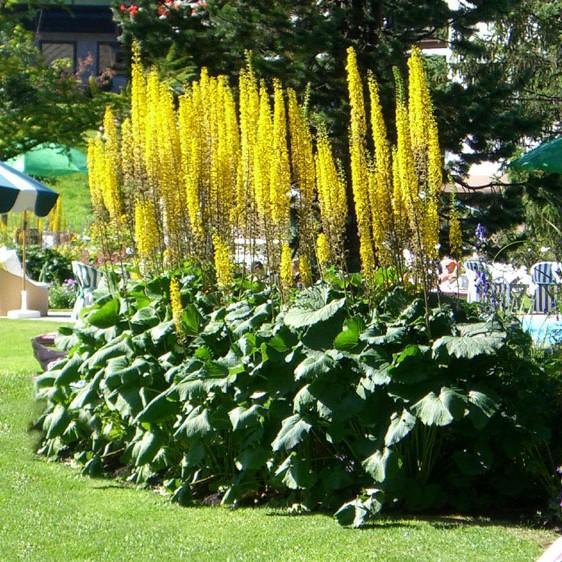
x=83 y=33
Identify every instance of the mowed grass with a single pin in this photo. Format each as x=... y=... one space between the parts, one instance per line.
x=49 y=512
x=76 y=203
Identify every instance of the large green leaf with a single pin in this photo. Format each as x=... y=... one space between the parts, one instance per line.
x=242 y=418
x=440 y=410
x=69 y=372
x=56 y=422
x=298 y=317
x=105 y=353
x=317 y=363
x=158 y=410
x=399 y=427
x=352 y=514
x=191 y=320
x=470 y=346
x=105 y=316
x=252 y=459
x=296 y=473
x=88 y=394
x=293 y=430
x=348 y=338
x=146 y=448
x=195 y=425
x=481 y=408
x=381 y=464
x=145 y=318
x=413 y=364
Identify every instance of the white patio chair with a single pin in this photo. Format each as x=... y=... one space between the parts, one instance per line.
x=545 y=276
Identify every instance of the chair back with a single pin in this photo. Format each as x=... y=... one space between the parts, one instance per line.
x=542 y=273
x=88 y=277
x=10 y=262
x=476 y=266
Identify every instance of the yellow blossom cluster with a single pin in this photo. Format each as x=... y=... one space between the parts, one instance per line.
x=223 y=262
x=396 y=189
x=222 y=172
x=55 y=217
x=177 y=307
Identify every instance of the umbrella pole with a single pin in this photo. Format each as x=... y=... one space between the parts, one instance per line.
x=23 y=258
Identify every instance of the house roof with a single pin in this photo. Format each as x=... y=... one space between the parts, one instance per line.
x=77 y=16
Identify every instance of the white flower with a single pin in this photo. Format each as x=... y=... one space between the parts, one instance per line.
x=544 y=249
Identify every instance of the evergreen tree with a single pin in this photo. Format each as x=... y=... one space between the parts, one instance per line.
x=501 y=77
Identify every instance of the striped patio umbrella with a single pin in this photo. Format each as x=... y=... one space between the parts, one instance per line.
x=21 y=194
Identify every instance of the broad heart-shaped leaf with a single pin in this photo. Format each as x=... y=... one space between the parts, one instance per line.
x=56 y=422
x=88 y=393
x=158 y=410
x=353 y=513
x=440 y=410
x=105 y=353
x=162 y=331
x=242 y=418
x=252 y=459
x=196 y=424
x=381 y=464
x=356 y=512
x=317 y=363
x=348 y=338
x=145 y=450
x=296 y=473
x=399 y=427
x=144 y=319
x=106 y=315
x=412 y=365
x=69 y=373
x=470 y=346
x=481 y=408
x=293 y=431
x=297 y=317
x=304 y=400
x=191 y=320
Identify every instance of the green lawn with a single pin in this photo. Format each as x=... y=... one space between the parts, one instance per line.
x=76 y=203
x=49 y=512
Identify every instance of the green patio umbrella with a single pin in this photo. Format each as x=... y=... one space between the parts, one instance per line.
x=547 y=157
x=50 y=160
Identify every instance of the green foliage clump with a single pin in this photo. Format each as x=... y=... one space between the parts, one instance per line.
x=63 y=296
x=48 y=265
x=325 y=403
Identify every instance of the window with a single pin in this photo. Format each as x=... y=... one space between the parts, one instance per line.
x=56 y=51
x=110 y=55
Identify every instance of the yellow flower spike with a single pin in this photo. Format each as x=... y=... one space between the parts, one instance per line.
x=322 y=251
x=177 y=307
x=55 y=217
x=223 y=262
x=146 y=230
x=384 y=232
x=359 y=175
x=95 y=167
x=305 y=271
x=110 y=190
x=262 y=155
x=286 y=267
x=138 y=110
x=280 y=178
